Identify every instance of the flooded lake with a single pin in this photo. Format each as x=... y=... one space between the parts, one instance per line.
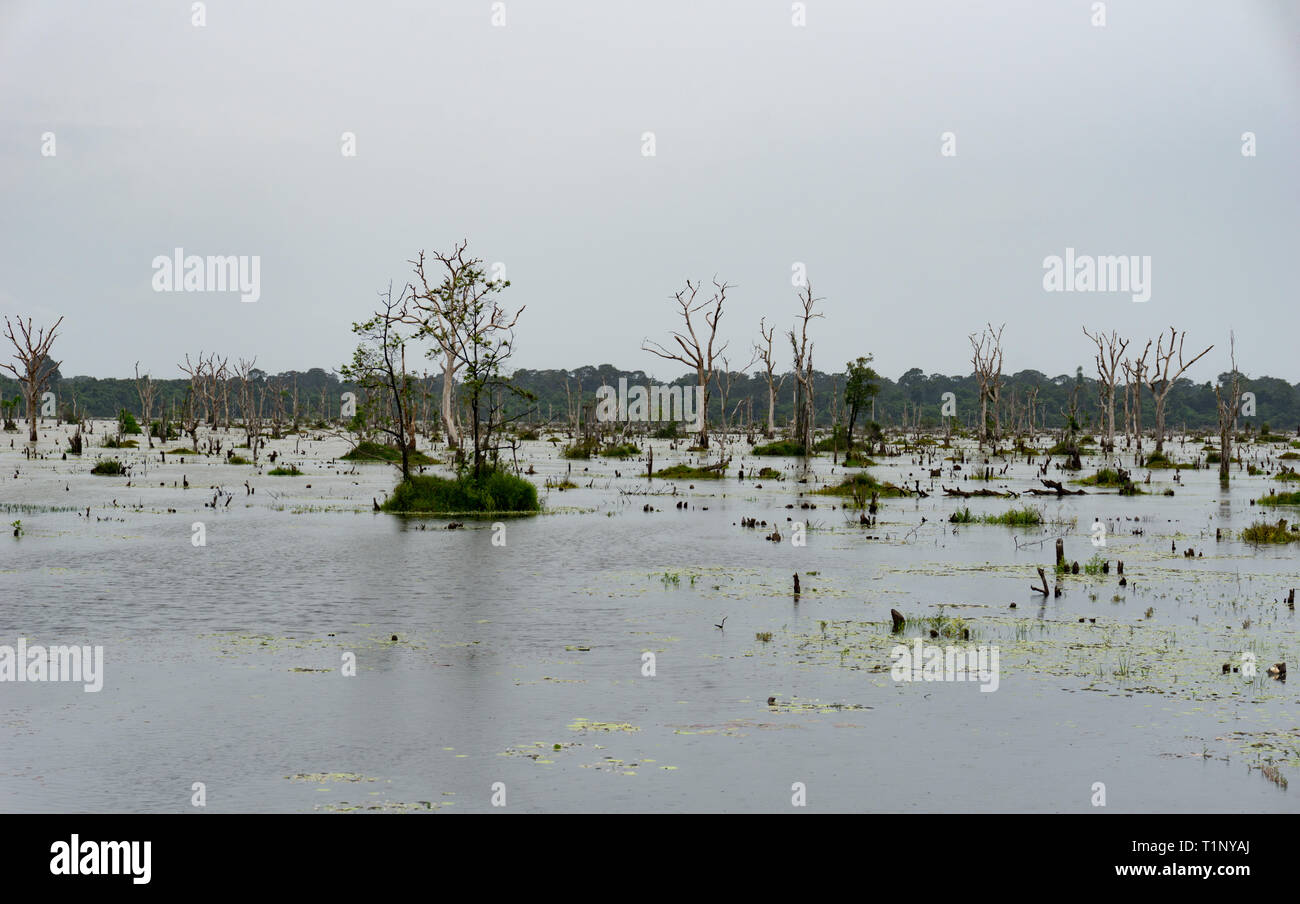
x=521 y=662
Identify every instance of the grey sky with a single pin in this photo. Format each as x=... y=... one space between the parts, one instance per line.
x=774 y=144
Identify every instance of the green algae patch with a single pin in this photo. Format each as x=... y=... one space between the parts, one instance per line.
x=588 y=725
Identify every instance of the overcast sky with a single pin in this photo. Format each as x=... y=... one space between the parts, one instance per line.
x=774 y=144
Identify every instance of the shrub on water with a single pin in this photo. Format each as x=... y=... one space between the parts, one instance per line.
x=963 y=516
x=127 y=422
x=108 y=467
x=781 y=447
x=625 y=450
x=368 y=451
x=1263 y=532
x=491 y=491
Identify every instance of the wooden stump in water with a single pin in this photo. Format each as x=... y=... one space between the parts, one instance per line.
x=898 y=620
x=1060 y=553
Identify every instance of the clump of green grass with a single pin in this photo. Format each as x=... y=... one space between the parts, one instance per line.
x=781 y=447
x=1263 y=532
x=493 y=491
x=1096 y=564
x=112 y=442
x=1286 y=475
x=1289 y=456
x=182 y=451
x=857 y=460
x=1280 y=499
x=963 y=516
x=623 y=450
x=108 y=467
x=291 y=471
x=584 y=448
x=763 y=636
x=1158 y=460
x=687 y=472
x=767 y=474
x=859 y=487
x=1016 y=517
x=238 y=460
x=561 y=484
x=371 y=451
x=1106 y=477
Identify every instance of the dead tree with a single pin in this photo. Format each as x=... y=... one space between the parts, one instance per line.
x=1227 y=410
x=695 y=352
x=987 y=360
x=763 y=353
x=1161 y=378
x=146 y=389
x=803 y=372
x=32 y=352
x=724 y=377
x=440 y=312
x=1110 y=351
x=1135 y=372
x=250 y=402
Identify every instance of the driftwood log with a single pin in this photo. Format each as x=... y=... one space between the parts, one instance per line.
x=1054 y=488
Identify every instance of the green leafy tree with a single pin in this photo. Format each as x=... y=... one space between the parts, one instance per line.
x=859 y=389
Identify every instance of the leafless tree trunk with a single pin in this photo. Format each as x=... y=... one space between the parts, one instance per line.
x=803 y=372
x=32 y=353
x=1110 y=351
x=987 y=360
x=1160 y=376
x=694 y=352
x=249 y=403
x=1227 y=409
x=145 y=387
x=763 y=352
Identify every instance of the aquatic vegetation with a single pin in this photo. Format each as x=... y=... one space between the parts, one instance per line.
x=1016 y=517
x=784 y=447
x=290 y=471
x=859 y=487
x=238 y=460
x=108 y=467
x=687 y=472
x=491 y=492
x=1106 y=477
x=1280 y=499
x=588 y=725
x=1263 y=532
x=584 y=448
x=963 y=516
x=624 y=450
x=371 y=451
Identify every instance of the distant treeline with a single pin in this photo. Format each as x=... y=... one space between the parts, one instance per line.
x=914 y=398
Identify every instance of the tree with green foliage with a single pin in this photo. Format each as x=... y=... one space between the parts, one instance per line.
x=860 y=388
x=463 y=315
